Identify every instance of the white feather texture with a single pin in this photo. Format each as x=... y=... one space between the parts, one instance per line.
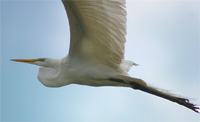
x=98 y=29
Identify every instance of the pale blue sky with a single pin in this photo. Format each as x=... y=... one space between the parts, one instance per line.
x=163 y=37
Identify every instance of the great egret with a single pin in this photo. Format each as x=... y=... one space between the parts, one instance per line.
x=96 y=55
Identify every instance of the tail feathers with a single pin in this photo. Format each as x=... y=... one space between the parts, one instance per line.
x=127 y=65
x=171 y=97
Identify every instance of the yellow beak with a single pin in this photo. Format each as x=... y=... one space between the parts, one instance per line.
x=25 y=60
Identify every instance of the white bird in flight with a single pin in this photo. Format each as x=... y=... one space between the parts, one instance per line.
x=96 y=54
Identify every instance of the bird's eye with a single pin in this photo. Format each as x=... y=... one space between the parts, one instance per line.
x=41 y=59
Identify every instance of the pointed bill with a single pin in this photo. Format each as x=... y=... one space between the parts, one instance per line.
x=25 y=60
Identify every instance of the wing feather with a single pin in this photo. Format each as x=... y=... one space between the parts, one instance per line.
x=98 y=29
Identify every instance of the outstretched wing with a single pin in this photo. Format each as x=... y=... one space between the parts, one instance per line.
x=98 y=29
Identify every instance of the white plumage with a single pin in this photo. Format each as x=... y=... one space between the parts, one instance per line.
x=98 y=29
x=96 y=55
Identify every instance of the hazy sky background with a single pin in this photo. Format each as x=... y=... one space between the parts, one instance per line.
x=163 y=37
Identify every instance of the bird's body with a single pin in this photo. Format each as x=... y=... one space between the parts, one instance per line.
x=96 y=55
x=77 y=71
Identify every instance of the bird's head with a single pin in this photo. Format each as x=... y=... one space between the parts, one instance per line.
x=44 y=62
x=48 y=73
